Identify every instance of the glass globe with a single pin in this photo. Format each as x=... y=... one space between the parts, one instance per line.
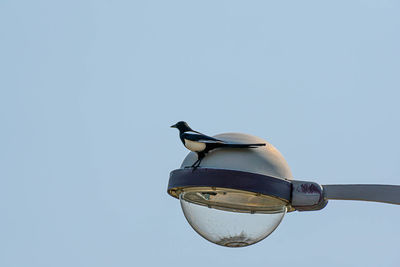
x=231 y=218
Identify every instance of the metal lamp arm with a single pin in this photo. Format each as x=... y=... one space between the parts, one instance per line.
x=365 y=192
x=307 y=196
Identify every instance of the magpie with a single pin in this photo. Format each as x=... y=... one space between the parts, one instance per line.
x=202 y=144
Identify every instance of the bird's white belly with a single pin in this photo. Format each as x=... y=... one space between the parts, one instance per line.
x=194 y=146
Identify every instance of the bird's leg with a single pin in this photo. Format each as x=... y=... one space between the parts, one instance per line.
x=200 y=157
x=198 y=163
x=194 y=164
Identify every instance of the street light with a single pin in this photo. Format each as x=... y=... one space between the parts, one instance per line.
x=237 y=197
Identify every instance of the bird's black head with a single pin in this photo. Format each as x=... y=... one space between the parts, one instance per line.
x=182 y=126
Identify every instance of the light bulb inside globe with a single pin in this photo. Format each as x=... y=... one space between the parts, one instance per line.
x=230 y=217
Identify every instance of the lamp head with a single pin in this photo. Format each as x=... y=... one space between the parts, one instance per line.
x=238 y=196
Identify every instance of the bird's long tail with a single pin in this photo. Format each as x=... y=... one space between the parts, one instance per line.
x=233 y=145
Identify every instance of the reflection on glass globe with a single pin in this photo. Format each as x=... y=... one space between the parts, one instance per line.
x=231 y=218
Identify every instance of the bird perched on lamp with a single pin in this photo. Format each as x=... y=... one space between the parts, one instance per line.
x=202 y=144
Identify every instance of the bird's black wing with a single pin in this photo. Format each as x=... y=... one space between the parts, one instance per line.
x=199 y=137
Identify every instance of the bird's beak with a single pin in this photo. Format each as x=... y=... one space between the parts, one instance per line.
x=173 y=126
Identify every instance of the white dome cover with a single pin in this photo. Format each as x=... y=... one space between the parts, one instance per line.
x=265 y=160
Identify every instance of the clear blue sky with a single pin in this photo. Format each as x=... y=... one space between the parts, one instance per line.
x=88 y=90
